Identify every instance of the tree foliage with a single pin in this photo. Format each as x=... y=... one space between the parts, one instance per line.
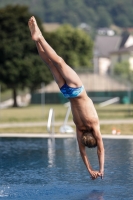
x=123 y=70
x=20 y=65
x=74 y=45
x=118 y=12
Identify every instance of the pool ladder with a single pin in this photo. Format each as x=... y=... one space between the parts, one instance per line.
x=50 y=124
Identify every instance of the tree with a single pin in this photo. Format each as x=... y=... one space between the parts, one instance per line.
x=122 y=21
x=73 y=45
x=20 y=65
x=75 y=11
x=104 y=18
x=123 y=70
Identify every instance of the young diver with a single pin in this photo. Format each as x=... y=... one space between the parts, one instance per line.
x=84 y=114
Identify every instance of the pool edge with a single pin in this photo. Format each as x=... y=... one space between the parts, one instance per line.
x=57 y=135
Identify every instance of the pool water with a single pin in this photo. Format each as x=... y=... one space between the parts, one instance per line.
x=48 y=169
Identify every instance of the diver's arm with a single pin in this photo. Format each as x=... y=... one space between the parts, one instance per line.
x=100 y=149
x=94 y=174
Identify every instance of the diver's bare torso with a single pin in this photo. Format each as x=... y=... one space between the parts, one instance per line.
x=84 y=113
x=86 y=120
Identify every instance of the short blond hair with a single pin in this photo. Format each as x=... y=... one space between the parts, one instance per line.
x=89 y=140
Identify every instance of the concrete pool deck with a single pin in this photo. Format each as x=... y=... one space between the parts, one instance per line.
x=58 y=135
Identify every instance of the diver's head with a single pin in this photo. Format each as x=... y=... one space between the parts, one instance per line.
x=89 y=140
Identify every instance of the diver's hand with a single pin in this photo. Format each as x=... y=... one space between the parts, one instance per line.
x=101 y=174
x=95 y=174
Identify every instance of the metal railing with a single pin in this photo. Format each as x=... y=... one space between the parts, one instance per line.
x=66 y=128
x=50 y=124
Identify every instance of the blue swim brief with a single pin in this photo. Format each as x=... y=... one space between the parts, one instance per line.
x=69 y=92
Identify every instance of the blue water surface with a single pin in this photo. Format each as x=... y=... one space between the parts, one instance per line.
x=48 y=169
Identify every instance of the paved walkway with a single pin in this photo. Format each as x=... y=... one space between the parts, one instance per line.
x=58 y=135
x=117 y=121
x=59 y=123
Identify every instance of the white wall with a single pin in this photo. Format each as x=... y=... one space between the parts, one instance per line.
x=129 y=41
x=131 y=63
x=104 y=64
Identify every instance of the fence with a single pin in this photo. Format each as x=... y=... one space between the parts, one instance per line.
x=97 y=97
x=99 y=88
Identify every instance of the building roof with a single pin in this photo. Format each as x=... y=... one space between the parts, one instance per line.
x=124 y=39
x=123 y=50
x=106 y=44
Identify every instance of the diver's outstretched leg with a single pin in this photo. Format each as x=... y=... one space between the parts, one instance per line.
x=67 y=73
x=56 y=74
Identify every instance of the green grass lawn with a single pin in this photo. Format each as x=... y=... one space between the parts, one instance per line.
x=40 y=113
x=37 y=113
x=32 y=113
